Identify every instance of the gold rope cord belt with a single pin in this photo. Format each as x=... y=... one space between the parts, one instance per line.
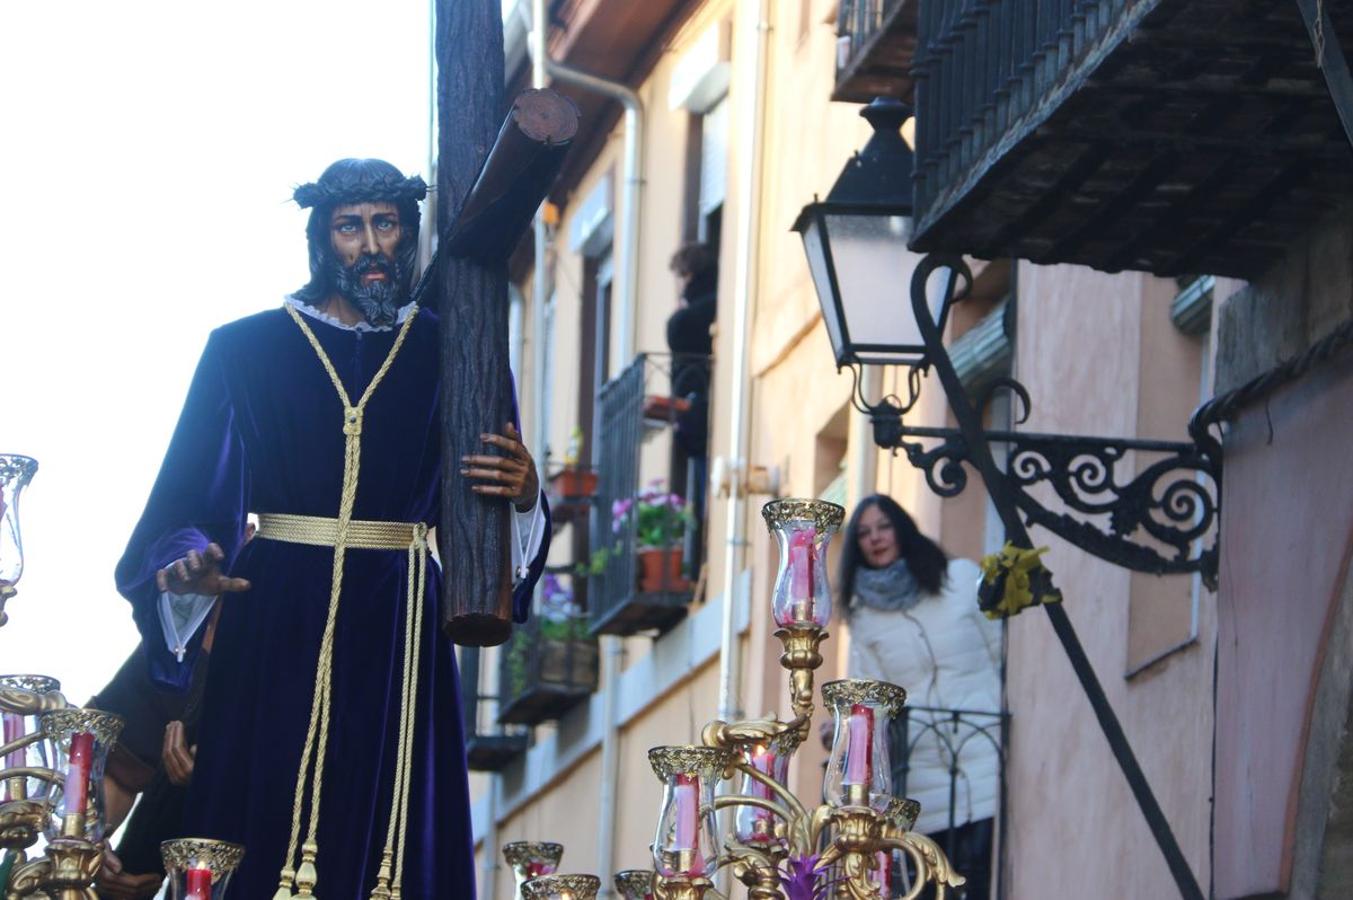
x=298 y=881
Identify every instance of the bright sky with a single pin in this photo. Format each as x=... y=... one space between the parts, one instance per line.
x=149 y=152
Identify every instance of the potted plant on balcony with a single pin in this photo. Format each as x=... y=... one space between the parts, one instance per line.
x=551 y=663
x=573 y=481
x=660 y=520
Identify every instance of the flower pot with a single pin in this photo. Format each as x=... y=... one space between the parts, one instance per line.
x=660 y=571
x=574 y=483
x=664 y=408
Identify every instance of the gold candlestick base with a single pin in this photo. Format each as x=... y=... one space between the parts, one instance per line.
x=680 y=888
x=801 y=657
x=67 y=872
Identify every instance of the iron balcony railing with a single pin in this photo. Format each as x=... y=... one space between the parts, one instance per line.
x=875 y=40
x=858 y=22
x=545 y=669
x=967 y=749
x=489 y=745
x=982 y=65
x=634 y=588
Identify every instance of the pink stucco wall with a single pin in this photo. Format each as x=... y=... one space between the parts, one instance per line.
x=1287 y=526
x=1085 y=354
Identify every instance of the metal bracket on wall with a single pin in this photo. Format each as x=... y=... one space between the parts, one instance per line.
x=1159 y=516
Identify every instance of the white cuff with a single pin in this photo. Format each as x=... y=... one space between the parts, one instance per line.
x=181 y=615
x=528 y=531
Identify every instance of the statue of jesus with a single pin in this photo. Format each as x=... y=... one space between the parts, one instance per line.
x=331 y=740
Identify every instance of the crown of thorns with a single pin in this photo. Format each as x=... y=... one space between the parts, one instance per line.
x=393 y=188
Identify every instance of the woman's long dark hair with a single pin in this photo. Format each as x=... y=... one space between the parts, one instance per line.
x=924 y=557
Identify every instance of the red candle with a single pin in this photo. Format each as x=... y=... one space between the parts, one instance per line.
x=860 y=745
x=801 y=560
x=198 y=884
x=538 y=868
x=687 y=837
x=763 y=760
x=77 y=773
x=13 y=731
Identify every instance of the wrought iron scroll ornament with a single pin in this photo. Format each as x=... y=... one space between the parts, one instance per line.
x=1151 y=506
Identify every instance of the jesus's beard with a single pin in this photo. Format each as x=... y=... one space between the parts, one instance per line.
x=379 y=300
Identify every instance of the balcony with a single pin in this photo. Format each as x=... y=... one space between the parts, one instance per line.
x=1167 y=136
x=952 y=762
x=875 y=40
x=548 y=667
x=489 y=745
x=646 y=547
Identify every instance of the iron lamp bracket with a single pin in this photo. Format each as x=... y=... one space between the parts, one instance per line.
x=1146 y=505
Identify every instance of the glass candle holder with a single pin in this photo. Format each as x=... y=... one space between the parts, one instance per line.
x=754 y=825
x=532 y=859
x=200 y=868
x=686 y=844
x=562 y=887
x=802 y=529
x=15 y=473
x=36 y=753
x=80 y=740
x=858 y=771
x=634 y=884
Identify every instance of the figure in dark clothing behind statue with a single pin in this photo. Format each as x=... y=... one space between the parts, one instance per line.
x=690 y=338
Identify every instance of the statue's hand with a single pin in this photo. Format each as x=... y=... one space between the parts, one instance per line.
x=512 y=476
x=199 y=573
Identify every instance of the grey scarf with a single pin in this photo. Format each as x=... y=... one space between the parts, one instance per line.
x=891 y=589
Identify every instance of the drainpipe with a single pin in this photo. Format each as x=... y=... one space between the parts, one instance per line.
x=631 y=189
x=631 y=195
x=749 y=228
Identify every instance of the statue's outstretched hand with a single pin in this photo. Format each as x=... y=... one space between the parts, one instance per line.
x=199 y=573
x=512 y=476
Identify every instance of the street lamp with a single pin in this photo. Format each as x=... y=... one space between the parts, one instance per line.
x=1157 y=519
x=856 y=243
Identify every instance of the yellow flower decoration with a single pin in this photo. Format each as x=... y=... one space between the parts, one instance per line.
x=1013 y=580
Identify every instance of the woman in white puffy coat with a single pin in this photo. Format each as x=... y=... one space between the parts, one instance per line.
x=914 y=622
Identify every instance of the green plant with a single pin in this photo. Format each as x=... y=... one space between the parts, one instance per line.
x=574 y=628
x=660 y=518
x=593 y=565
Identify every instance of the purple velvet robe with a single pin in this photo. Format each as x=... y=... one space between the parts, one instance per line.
x=261 y=432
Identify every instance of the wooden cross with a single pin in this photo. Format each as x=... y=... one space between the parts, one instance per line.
x=491 y=178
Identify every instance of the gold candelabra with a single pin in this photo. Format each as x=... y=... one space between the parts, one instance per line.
x=781 y=847
x=52 y=759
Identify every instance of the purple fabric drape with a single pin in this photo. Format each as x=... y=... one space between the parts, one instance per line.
x=261 y=432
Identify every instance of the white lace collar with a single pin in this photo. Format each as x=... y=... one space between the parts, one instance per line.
x=305 y=308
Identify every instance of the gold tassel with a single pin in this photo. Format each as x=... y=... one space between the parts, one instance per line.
x=318 y=731
x=382 y=889
x=306 y=875
x=284 y=889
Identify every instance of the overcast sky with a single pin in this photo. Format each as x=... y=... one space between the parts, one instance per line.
x=149 y=152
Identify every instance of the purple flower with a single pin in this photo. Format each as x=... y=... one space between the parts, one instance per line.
x=803 y=880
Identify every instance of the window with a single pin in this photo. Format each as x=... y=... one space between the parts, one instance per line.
x=1174 y=377
x=713 y=174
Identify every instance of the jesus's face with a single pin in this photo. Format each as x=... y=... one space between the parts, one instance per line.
x=365 y=239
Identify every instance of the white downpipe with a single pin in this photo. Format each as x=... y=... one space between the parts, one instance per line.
x=630 y=198
x=749 y=227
